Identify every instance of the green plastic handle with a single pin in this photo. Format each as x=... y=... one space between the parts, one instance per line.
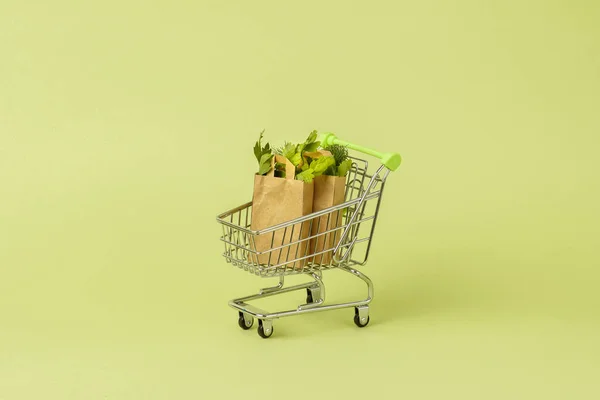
x=391 y=160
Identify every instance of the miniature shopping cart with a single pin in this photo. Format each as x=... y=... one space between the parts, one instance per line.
x=352 y=239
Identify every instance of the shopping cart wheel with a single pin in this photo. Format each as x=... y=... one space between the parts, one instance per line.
x=265 y=329
x=361 y=316
x=245 y=321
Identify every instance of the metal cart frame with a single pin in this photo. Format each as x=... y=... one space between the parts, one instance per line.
x=361 y=207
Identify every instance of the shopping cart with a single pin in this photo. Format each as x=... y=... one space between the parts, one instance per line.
x=350 y=247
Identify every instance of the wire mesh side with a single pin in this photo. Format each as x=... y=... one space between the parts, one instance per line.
x=307 y=244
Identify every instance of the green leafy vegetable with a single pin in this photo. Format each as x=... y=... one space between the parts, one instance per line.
x=285 y=149
x=307 y=168
x=296 y=159
x=344 y=167
x=289 y=150
x=295 y=153
x=306 y=175
x=264 y=165
x=321 y=164
x=342 y=163
x=316 y=168
x=339 y=152
x=263 y=155
x=311 y=144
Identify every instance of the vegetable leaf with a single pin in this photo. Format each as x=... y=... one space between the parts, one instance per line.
x=296 y=159
x=331 y=171
x=339 y=152
x=263 y=155
x=321 y=164
x=306 y=175
x=343 y=164
x=344 y=167
x=312 y=137
x=264 y=165
x=258 y=148
x=311 y=144
x=296 y=155
x=306 y=167
x=289 y=150
x=311 y=147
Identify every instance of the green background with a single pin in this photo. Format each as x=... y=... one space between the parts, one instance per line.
x=126 y=127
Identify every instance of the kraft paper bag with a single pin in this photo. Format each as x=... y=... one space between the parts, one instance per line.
x=277 y=200
x=328 y=191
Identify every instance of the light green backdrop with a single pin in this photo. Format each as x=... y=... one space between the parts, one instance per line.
x=126 y=127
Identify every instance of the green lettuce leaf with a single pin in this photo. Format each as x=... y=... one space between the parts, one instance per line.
x=263 y=155
x=321 y=164
x=289 y=150
x=264 y=165
x=306 y=175
x=296 y=159
x=344 y=167
x=311 y=147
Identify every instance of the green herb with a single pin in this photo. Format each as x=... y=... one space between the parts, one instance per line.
x=281 y=151
x=306 y=176
x=295 y=153
x=316 y=168
x=321 y=164
x=339 y=152
x=311 y=143
x=307 y=168
x=263 y=155
x=342 y=162
x=344 y=167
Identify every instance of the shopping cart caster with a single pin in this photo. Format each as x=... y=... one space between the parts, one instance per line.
x=265 y=329
x=361 y=316
x=245 y=321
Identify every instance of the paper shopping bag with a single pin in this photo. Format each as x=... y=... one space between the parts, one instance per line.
x=328 y=191
x=276 y=200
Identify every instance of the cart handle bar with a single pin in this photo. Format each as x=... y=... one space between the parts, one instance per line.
x=390 y=160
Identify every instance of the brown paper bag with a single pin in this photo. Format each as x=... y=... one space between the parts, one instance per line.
x=278 y=200
x=329 y=191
